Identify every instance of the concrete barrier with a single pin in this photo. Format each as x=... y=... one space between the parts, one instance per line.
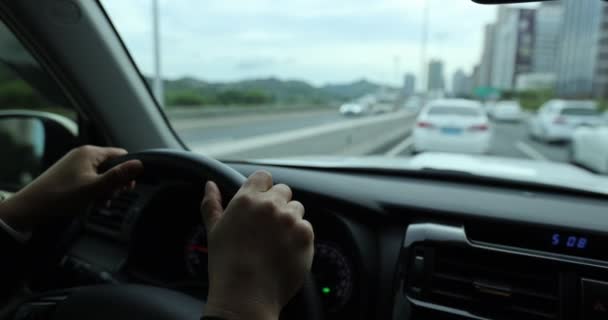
x=356 y=137
x=177 y=112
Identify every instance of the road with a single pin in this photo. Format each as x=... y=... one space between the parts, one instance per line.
x=280 y=135
x=234 y=128
x=509 y=140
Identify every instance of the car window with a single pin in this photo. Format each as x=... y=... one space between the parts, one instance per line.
x=579 y=112
x=453 y=111
x=510 y=105
x=555 y=107
x=24 y=86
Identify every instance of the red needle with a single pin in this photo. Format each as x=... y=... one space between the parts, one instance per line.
x=198 y=248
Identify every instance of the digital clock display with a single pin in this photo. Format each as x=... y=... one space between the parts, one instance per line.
x=569 y=241
x=563 y=241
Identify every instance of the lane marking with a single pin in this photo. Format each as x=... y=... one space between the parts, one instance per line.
x=368 y=146
x=265 y=140
x=529 y=151
x=404 y=145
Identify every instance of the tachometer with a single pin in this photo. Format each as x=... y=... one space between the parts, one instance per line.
x=196 y=253
x=334 y=275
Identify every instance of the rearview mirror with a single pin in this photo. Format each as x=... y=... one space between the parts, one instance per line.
x=32 y=141
x=507 y=1
x=511 y=1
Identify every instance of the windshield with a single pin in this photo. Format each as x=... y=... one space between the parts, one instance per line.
x=268 y=79
x=453 y=111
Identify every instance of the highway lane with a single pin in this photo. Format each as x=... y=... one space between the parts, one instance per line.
x=509 y=139
x=235 y=128
x=512 y=139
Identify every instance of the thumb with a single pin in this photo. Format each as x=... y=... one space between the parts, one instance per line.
x=211 y=207
x=119 y=176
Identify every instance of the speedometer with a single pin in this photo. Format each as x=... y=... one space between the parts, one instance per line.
x=196 y=253
x=334 y=274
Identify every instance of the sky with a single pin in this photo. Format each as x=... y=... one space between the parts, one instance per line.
x=318 y=41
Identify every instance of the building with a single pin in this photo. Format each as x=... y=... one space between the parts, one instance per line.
x=546 y=41
x=409 y=84
x=484 y=76
x=476 y=77
x=462 y=84
x=513 y=46
x=600 y=85
x=436 y=78
x=578 y=47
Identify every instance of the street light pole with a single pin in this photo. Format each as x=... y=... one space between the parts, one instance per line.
x=158 y=80
x=423 y=46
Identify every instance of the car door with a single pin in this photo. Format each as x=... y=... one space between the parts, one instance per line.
x=597 y=148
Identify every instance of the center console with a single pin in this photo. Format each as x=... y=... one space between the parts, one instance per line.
x=484 y=271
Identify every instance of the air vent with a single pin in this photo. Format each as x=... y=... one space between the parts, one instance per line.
x=484 y=283
x=113 y=216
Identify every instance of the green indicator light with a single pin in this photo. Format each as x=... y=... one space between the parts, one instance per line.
x=326 y=290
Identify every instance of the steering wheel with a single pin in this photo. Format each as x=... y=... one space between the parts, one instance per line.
x=119 y=302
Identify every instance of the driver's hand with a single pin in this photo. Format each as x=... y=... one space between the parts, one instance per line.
x=260 y=249
x=68 y=186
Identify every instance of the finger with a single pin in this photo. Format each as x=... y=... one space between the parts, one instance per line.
x=119 y=176
x=211 y=206
x=101 y=154
x=281 y=192
x=296 y=208
x=109 y=152
x=304 y=234
x=259 y=181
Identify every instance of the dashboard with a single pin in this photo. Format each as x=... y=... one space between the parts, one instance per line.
x=386 y=246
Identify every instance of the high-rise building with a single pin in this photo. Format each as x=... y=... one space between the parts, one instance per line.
x=462 y=85
x=436 y=79
x=476 y=77
x=484 y=78
x=513 y=46
x=578 y=47
x=409 y=84
x=600 y=85
x=548 y=23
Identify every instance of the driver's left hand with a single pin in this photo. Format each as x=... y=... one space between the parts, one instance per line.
x=68 y=186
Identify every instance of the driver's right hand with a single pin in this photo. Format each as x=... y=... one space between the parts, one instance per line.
x=260 y=249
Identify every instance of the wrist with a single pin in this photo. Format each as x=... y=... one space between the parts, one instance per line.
x=234 y=308
x=15 y=213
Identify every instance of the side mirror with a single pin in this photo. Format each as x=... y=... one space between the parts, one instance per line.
x=32 y=141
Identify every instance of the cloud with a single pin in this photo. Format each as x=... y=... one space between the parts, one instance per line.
x=263 y=36
x=261 y=63
x=332 y=41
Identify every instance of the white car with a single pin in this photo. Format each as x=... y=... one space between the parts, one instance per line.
x=556 y=120
x=589 y=148
x=452 y=125
x=506 y=111
x=353 y=109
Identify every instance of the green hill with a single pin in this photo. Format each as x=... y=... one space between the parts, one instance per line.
x=351 y=90
x=191 y=91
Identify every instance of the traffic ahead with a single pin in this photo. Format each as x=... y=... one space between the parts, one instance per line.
x=279 y=135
